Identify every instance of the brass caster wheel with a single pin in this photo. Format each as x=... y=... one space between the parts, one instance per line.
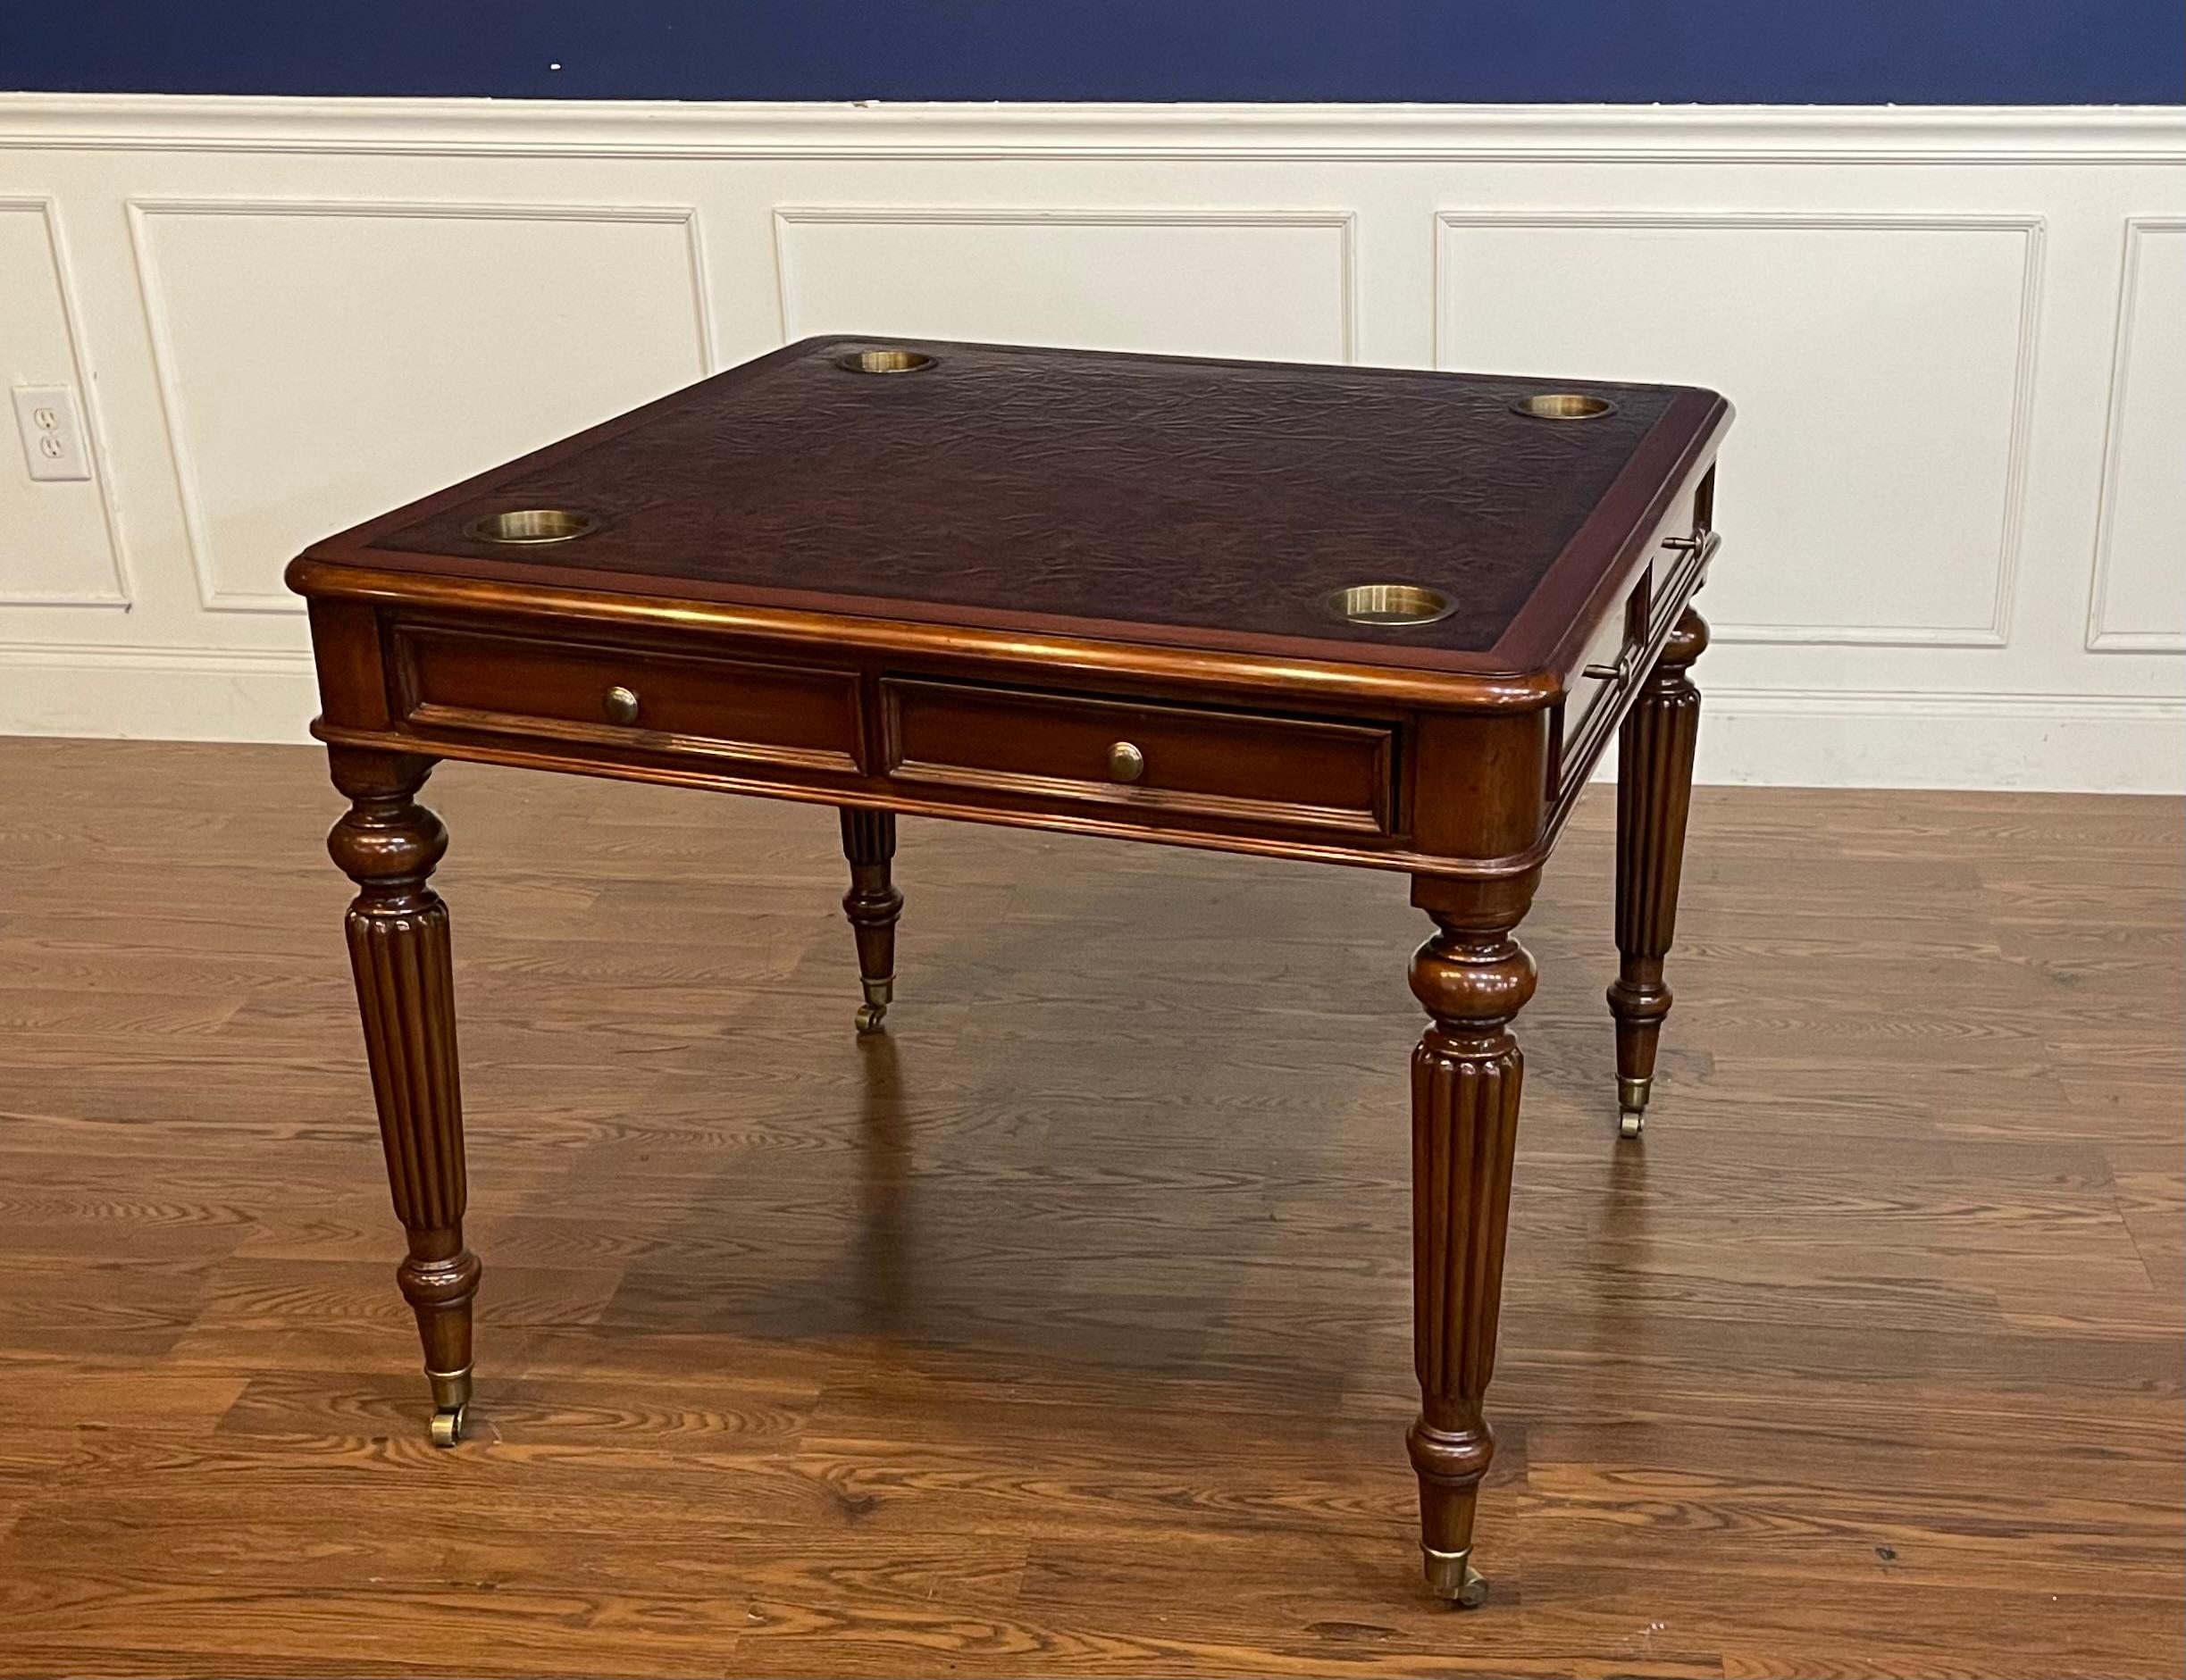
x=448 y=1426
x=879 y=994
x=451 y=1404
x=1451 y=1576
x=1631 y=1122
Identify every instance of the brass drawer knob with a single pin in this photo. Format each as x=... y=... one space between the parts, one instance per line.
x=620 y=705
x=1126 y=763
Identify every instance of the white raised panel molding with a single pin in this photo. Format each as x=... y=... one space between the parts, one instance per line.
x=496 y=419
x=1622 y=323
x=49 y=517
x=2138 y=604
x=1208 y=281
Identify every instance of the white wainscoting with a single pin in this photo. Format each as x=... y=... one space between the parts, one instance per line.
x=1955 y=516
x=58 y=540
x=319 y=360
x=1790 y=305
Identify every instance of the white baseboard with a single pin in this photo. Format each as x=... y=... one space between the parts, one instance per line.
x=2051 y=743
x=158 y=693
x=2057 y=743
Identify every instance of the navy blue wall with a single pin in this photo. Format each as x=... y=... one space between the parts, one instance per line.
x=1717 y=52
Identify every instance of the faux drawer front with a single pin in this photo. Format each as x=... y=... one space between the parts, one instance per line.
x=589 y=694
x=1301 y=772
x=1610 y=667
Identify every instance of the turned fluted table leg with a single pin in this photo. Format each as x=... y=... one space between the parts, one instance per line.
x=872 y=904
x=1655 y=791
x=398 y=948
x=1473 y=978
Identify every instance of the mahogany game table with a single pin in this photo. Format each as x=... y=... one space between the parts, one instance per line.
x=1371 y=617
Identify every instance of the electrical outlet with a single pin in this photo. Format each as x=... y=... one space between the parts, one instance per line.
x=51 y=431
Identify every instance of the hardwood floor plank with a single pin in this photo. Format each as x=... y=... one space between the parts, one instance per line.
x=1064 y=1328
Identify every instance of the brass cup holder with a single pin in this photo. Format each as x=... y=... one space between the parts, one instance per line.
x=1563 y=405
x=885 y=362
x=532 y=526
x=1390 y=605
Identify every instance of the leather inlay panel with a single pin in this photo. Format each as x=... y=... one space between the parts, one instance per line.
x=1232 y=496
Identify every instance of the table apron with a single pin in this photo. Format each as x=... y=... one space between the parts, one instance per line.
x=1463 y=793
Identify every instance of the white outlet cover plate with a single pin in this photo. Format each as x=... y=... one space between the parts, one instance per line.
x=51 y=431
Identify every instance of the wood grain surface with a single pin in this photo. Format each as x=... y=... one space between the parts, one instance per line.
x=1065 y=1327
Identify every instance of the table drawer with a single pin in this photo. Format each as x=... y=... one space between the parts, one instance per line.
x=1307 y=772
x=467 y=681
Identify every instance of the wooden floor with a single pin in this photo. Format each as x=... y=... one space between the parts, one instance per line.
x=1065 y=1329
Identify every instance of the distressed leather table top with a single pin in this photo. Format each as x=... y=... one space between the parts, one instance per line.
x=1194 y=503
